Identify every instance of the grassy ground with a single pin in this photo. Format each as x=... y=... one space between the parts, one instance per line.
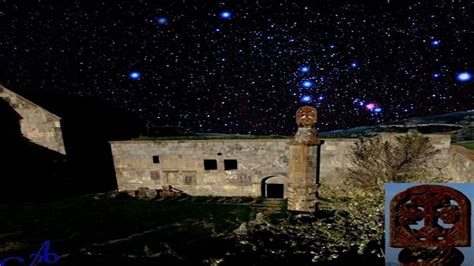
x=113 y=226
x=104 y=230
x=467 y=144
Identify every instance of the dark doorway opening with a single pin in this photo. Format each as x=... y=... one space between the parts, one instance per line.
x=274 y=191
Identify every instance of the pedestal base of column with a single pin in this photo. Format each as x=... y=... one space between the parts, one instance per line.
x=430 y=256
x=302 y=198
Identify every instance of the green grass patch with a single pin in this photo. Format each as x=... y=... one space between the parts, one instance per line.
x=469 y=145
x=259 y=200
x=282 y=215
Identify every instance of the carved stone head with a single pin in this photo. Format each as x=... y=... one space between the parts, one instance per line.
x=430 y=216
x=306 y=116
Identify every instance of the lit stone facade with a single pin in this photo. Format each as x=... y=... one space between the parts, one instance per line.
x=37 y=124
x=259 y=162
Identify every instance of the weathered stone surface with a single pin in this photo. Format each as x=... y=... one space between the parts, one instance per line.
x=242 y=229
x=182 y=165
x=307 y=136
x=302 y=184
x=37 y=124
x=256 y=160
x=461 y=164
x=131 y=193
x=142 y=192
x=151 y=193
x=146 y=193
x=431 y=204
x=430 y=256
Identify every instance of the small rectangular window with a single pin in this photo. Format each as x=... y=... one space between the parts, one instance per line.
x=230 y=164
x=156 y=159
x=210 y=164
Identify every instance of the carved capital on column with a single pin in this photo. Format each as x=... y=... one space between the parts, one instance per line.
x=306 y=118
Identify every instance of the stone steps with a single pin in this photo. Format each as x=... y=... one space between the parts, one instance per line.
x=271 y=205
x=273 y=202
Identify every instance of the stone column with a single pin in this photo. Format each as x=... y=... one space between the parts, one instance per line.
x=302 y=189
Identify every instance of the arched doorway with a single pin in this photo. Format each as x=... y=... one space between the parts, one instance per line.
x=273 y=187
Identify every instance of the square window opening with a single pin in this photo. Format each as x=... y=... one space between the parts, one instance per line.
x=210 y=164
x=156 y=159
x=230 y=164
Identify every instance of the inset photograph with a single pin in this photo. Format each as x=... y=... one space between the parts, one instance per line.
x=429 y=224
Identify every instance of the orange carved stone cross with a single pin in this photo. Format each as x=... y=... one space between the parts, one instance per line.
x=306 y=116
x=443 y=212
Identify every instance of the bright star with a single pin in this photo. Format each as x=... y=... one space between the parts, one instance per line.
x=435 y=42
x=377 y=110
x=436 y=75
x=304 y=69
x=306 y=98
x=307 y=84
x=225 y=15
x=135 y=75
x=161 y=20
x=464 y=76
x=359 y=102
x=320 y=98
x=354 y=64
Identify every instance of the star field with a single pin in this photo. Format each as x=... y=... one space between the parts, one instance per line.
x=246 y=66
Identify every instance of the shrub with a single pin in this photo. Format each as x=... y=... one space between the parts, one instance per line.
x=357 y=223
x=376 y=161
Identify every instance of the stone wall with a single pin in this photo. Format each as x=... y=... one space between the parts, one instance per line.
x=181 y=163
x=37 y=124
x=334 y=160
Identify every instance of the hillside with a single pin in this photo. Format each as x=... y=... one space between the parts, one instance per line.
x=459 y=124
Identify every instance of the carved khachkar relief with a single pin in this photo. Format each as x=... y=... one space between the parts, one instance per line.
x=306 y=116
x=190 y=177
x=171 y=177
x=242 y=179
x=433 y=205
x=430 y=221
x=155 y=176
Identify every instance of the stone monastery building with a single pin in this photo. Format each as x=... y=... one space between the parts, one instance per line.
x=247 y=167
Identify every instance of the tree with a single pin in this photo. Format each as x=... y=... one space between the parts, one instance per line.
x=376 y=161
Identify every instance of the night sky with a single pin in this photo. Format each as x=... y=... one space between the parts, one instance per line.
x=246 y=66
